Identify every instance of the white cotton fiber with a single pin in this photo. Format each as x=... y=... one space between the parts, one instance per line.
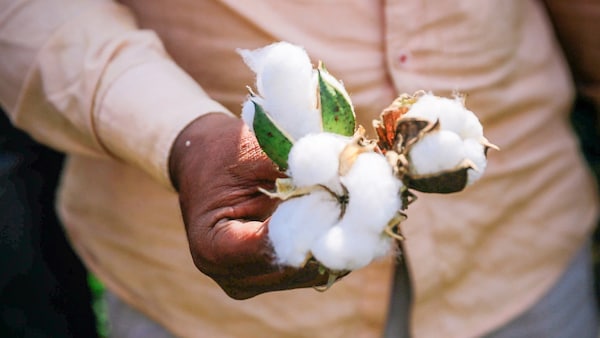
x=373 y=193
x=298 y=222
x=287 y=82
x=314 y=159
x=342 y=249
x=436 y=152
x=304 y=225
x=452 y=114
x=255 y=59
x=472 y=128
x=341 y=220
x=474 y=151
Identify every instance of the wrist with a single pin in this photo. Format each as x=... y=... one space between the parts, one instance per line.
x=190 y=146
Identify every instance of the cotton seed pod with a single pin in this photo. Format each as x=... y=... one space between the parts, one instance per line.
x=431 y=142
x=436 y=160
x=348 y=186
x=293 y=100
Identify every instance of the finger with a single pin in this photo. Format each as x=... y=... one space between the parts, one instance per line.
x=232 y=247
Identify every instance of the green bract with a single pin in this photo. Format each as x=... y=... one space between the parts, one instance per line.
x=337 y=113
x=273 y=141
x=337 y=116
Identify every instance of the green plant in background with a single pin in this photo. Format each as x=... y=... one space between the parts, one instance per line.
x=99 y=305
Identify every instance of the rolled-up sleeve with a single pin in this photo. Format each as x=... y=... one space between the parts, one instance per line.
x=81 y=77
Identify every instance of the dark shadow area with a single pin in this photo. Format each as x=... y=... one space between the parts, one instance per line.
x=43 y=285
x=584 y=119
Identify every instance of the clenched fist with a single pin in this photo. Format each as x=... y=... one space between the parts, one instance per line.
x=217 y=166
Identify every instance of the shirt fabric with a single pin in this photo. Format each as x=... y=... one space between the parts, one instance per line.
x=112 y=84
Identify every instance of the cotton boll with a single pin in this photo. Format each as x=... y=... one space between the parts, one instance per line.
x=341 y=249
x=373 y=191
x=474 y=151
x=288 y=83
x=298 y=222
x=314 y=159
x=435 y=152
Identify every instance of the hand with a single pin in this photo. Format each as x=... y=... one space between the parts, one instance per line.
x=217 y=166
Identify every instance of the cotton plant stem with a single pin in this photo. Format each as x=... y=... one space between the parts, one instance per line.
x=399 y=313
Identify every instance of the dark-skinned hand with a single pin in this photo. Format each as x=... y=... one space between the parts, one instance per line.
x=216 y=165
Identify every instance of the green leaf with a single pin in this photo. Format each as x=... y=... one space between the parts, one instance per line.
x=337 y=112
x=273 y=141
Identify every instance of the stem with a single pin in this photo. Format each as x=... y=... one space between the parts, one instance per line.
x=399 y=314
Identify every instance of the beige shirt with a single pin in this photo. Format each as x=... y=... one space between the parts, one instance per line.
x=81 y=76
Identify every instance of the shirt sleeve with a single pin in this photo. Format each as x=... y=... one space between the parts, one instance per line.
x=80 y=76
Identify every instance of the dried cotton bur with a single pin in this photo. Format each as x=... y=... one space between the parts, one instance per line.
x=434 y=144
x=344 y=194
